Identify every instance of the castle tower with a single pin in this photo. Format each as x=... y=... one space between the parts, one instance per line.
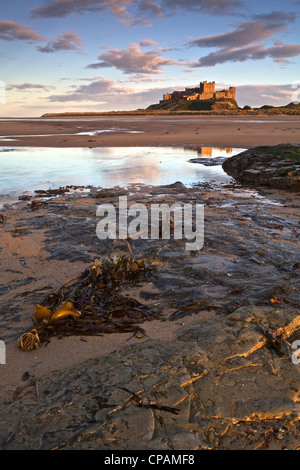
x=232 y=92
x=207 y=87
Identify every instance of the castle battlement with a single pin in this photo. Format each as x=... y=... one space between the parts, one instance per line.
x=206 y=91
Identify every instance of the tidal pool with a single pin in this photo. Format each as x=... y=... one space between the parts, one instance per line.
x=28 y=169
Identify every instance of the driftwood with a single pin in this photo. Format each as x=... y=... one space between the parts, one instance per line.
x=279 y=339
x=135 y=400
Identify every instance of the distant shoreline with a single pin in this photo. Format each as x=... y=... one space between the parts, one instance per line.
x=233 y=112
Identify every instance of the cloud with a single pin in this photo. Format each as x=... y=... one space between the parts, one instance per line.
x=280 y=54
x=130 y=11
x=246 y=42
x=65 y=42
x=147 y=43
x=133 y=60
x=248 y=32
x=259 y=95
x=92 y=92
x=29 y=86
x=12 y=31
x=105 y=95
x=116 y=98
x=150 y=7
x=276 y=17
x=63 y=8
x=216 y=7
x=145 y=78
x=99 y=65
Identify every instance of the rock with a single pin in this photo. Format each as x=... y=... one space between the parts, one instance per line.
x=224 y=400
x=277 y=167
x=215 y=161
x=248 y=270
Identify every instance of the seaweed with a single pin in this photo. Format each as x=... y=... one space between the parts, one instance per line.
x=90 y=304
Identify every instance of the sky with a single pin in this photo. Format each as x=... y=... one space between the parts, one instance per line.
x=104 y=55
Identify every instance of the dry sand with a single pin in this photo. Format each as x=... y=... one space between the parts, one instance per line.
x=123 y=131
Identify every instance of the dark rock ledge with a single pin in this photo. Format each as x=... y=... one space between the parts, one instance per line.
x=277 y=167
x=228 y=393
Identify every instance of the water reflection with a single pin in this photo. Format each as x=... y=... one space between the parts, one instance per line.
x=215 y=152
x=42 y=168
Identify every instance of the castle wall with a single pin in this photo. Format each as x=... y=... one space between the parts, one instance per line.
x=220 y=95
x=206 y=91
x=226 y=94
x=206 y=96
x=192 y=97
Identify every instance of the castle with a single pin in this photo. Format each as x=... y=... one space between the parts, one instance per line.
x=206 y=91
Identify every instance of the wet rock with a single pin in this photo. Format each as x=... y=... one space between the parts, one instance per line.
x=4 y=288
x=224 y=400
x=276 y=167
x=216 y=161
x=248 y=267
x=176 y=185
x=25 y=197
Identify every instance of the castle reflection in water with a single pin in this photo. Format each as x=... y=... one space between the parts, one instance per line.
x=211 y=151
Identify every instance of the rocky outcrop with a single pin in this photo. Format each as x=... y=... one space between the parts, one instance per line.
x=178 y=105
x=276 y=167
x=221 y=384
x=224 y=379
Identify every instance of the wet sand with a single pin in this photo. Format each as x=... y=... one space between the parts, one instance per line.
x=247 y=260
x=43 y=245
x=123 y=131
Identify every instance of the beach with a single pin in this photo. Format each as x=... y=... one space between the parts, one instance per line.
x=209 y=306
x=123 y=131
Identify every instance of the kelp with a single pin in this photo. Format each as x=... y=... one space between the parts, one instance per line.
x=90 y=304
x=29 y=341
